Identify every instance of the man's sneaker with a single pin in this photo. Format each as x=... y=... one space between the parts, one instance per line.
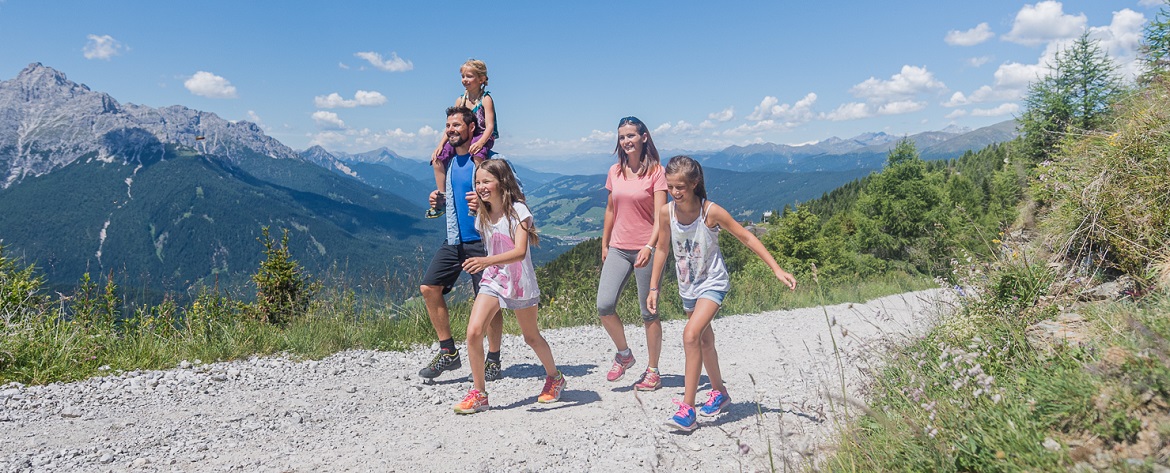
x=491 y=370
x=649 y=382
x=475 y=401
x=553 y=385
x=684 y=419
x=620 y=364
x=444 y=361
x=716 y=401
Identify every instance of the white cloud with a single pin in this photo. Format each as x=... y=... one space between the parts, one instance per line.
x=327 y=139
x=102 y=47
x=391 y=64
x=1002 y=109
x=206 y=84
x=369 y=98
x=971 y=37
x=726 y=115
x=978 y=61
x=771 y=109
x=900 y=107
x=956 y=114
x=1016 y=76
x=342 y=65
x=1151 y=3
x=849 y=111
x=361 y=98
x=1122 y=39
x=328 y=120
x=907 y=83
x=1044 y=22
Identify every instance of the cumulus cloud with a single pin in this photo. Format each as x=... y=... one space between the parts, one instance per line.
x=771 y=109
x=971 y=37
x=849 y=111
x=1121 y=40
x=328 y=120
x=1044 y=22
x=957 y=113
x=978 y=61
x=907 y=83
x=362 y=98
x=102 y=47
x=900 y=107
x=1003 y=109
x=391 y=64
x=1151 y=3
x=206 y=84
x=726 y=115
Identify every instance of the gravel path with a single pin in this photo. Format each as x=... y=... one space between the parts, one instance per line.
x=369 y=411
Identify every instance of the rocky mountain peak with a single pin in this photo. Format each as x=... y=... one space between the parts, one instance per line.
x=50 y=121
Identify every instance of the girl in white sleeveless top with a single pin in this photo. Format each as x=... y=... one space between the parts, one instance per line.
x=693 y=234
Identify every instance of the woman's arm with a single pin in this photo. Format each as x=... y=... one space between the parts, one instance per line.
x=718 y=216
x=661 y=249
x=607 y=227
x=645 y=252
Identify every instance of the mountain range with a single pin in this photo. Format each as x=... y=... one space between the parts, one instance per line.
x=170 y=198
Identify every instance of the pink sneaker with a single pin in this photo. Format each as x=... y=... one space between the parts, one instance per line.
x=649 y=382
x=620 y=365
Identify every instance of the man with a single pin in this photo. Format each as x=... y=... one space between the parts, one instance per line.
x=463 y=241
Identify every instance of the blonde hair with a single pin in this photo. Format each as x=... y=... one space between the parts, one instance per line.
x=479 y=68
x=509 y=189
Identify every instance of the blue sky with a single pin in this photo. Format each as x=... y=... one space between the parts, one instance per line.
x=562 y=73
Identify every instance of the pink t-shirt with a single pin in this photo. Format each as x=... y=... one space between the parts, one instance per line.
x=633 y=206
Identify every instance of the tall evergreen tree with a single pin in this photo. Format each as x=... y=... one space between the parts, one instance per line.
x=1155 y=48
x=1076 y=95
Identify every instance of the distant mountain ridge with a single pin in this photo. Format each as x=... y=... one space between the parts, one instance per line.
x=172 y=197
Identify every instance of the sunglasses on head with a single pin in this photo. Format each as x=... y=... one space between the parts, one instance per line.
x=632 y=120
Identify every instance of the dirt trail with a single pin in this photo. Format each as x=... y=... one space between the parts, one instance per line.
x=368 y=411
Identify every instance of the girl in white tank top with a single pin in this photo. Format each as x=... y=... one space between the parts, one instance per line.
x=702 y=280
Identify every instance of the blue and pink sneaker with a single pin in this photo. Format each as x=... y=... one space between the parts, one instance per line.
x=684 y=419
x=716 y=401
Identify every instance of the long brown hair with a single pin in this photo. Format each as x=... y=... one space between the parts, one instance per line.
x=509 y=189
x=650 y=158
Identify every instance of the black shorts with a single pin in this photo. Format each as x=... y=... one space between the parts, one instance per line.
x=448 y=263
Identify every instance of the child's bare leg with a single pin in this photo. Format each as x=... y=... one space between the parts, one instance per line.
x=711 y=360
x=653 y=342
x=485 y=308
x=495 y=332
x=698 y=321
x=531 y=331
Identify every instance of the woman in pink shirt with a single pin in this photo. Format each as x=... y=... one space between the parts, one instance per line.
x=637 y=190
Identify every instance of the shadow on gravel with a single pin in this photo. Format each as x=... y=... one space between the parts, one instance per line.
x=741 y=410
x=529 y=370
x=569 y=398
x=677 y=381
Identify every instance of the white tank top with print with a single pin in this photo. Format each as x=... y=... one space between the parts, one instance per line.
x=697 y=257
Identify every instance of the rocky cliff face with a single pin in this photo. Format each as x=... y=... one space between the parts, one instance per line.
x=48 y=121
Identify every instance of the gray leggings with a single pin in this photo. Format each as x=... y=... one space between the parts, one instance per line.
x=615 y=271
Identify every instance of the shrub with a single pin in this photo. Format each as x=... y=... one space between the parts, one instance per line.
x=283 y=289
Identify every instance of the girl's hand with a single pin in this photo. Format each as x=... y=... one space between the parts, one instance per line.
x=786 y=278
x=476 y=146
x=472 y=202
x=604 y=252
x=652 y=302
x=475 y=265
x=643 y=257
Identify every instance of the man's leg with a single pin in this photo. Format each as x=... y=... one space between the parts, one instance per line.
x=440 y=276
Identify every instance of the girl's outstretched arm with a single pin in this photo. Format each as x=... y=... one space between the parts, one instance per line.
x=477 y=264
x=489 y=126
x=661 y=250
x=718 y=216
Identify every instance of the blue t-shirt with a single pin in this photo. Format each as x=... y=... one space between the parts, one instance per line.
x=462 y=177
